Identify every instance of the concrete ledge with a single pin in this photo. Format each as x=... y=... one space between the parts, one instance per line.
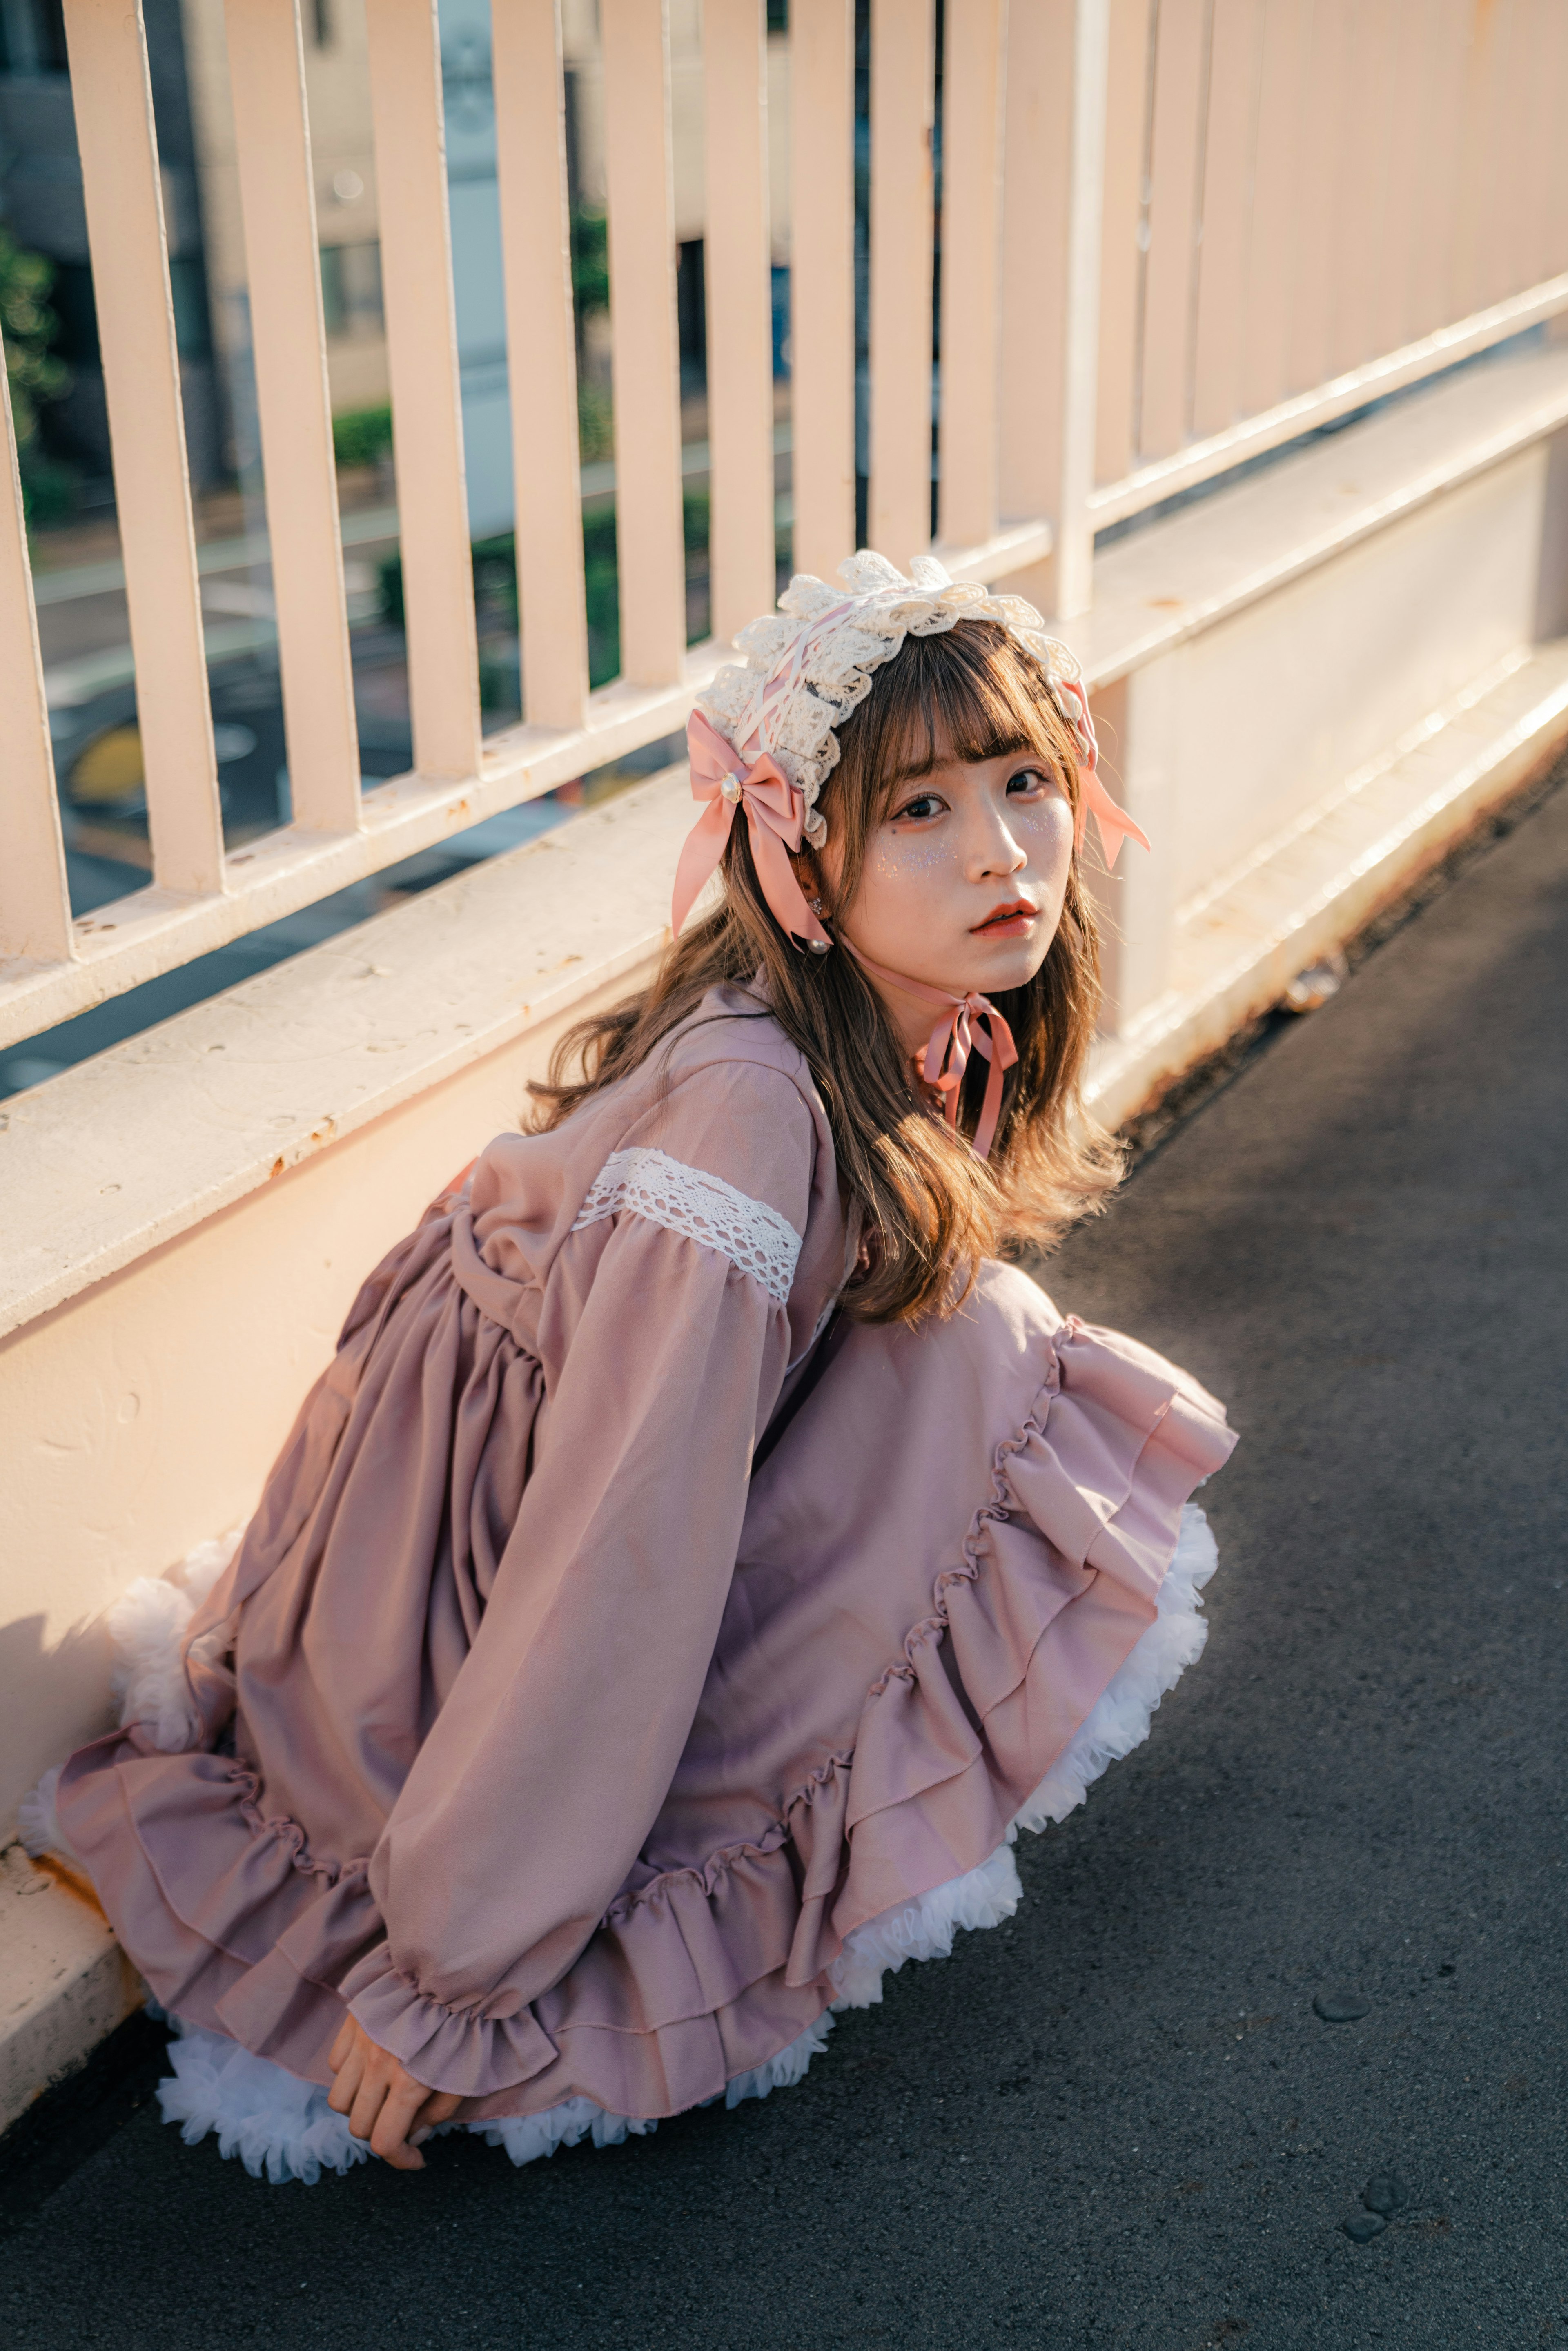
x=109 y=1160
x=66 y=1982
x=1241 y=940
x=1160 y=587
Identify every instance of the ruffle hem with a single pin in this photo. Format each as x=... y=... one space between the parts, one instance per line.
x=280 y=2126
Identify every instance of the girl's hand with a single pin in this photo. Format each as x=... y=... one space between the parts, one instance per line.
x=381 y=2099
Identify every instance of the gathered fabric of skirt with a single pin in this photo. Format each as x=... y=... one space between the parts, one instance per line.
x=585 y=1806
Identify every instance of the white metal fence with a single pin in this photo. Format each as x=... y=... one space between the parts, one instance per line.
x=1175 y=234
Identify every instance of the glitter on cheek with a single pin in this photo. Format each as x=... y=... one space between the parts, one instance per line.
x=1044 y=831
x=899 y=855
x=1047 y=815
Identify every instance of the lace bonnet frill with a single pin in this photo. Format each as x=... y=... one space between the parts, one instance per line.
x=810 y=664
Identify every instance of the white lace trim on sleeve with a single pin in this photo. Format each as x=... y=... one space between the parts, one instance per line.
x=704 y=1208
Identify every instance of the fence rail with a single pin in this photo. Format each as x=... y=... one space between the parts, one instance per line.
x=1168 y=235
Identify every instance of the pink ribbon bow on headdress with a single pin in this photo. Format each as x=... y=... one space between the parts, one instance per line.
x=947 y=1054
x=1112 y=825
x=775 y=812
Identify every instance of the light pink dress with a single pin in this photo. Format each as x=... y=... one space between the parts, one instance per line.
x=576 y=1760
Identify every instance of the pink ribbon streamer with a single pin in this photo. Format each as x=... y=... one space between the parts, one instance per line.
x=775 y=813
x=947 y=1050
x=1112 y=825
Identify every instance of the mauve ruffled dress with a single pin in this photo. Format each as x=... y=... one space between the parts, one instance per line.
x=530 y=1725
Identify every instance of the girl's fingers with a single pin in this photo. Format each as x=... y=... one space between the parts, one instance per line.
x=383 y=2102
x=389 y=2139
x=349 y=2071
x=369 y=2099
x=439 y=2106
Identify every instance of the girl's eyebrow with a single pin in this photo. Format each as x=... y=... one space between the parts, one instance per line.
x=921 y=772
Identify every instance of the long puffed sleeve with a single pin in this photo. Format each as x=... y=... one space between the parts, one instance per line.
x=541 y=1776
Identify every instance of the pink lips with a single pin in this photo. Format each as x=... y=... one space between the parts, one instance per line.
x=1006 y=922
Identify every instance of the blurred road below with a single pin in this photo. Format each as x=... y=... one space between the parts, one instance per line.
x=1120 y=2120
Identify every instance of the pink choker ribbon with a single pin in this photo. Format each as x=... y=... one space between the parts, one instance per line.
x=775 y=812
x=947 y=1054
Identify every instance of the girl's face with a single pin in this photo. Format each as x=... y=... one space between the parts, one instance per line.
x=963 y=882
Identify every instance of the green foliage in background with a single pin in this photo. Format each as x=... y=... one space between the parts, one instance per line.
x=589 y=262
x=361 y=434
x=34 y=375
x=600 y=593
x=595 y=422
x=495 y=580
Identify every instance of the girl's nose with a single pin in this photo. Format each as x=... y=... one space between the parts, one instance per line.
x=997 y=851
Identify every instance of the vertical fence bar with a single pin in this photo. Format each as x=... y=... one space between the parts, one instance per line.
x=1361 y=191
x=1081 y=338
x=971 y=237
x=902 y=74
x=1425 y=76
x=1552 y=255
x=821 y=281
x=1129 y=78
x=738 y=281
x=1475 y=161
x=1501 y=128
x=1436 y=191
x=1273 y=242
x=1535 y=100
x=1180 y=105
x=35 y=905
x=277 y=198
x=1036 y=187
x=422 y=358
x=536 y=248
x=646 y=348
x=1539 y=93
x=1229 y=160
x=113 y=102
x=1414 y=66
x=1321 y=103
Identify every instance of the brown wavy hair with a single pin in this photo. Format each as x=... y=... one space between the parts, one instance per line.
x=931 y=1210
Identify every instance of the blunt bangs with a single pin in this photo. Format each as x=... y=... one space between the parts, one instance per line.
x=969 y=695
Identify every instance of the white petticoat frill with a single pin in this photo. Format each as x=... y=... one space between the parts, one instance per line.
x=283 y=2128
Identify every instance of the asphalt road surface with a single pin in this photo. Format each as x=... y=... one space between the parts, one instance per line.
x=1120 y=2120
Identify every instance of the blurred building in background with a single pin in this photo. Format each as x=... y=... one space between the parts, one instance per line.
x=41 y=204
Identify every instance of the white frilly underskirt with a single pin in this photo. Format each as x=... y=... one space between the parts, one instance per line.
x=283 y=2127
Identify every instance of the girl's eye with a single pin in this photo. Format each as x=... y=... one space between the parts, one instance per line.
x=1029 y=780
x=926 y=805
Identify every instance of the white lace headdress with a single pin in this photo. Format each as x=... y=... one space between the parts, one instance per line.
x=808 y=664
x=762 y=739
